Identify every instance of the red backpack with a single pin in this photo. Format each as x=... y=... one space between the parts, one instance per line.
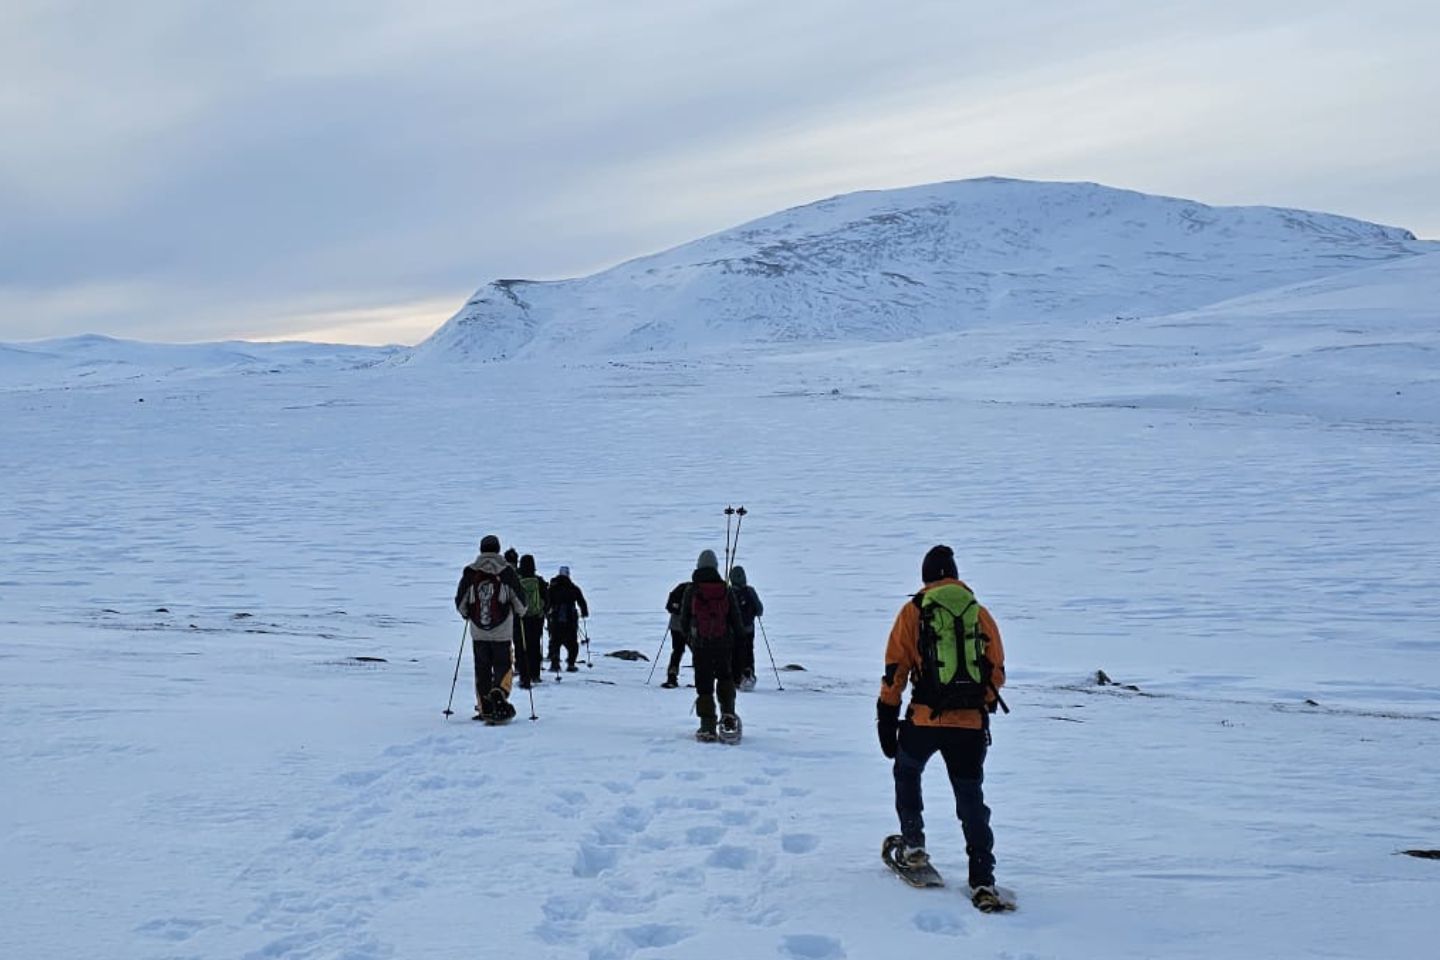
x=710 y=610
x=488 y=610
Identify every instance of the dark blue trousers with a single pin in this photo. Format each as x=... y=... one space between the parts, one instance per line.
x=964 y=754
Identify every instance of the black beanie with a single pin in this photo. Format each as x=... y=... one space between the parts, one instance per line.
x=527 y=565
x=939 y=564
x=490 y=544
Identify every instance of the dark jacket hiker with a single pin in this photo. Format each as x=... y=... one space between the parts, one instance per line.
x=529 y=630
x=564 y=606
x=674 y=605
x=748 y=601
x=710 y=621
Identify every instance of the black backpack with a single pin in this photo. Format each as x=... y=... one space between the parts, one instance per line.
x=562 y=614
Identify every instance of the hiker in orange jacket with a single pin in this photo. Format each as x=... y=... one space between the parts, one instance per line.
x=960 y=734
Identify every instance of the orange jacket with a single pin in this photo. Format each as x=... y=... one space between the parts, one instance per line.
x=902 y=656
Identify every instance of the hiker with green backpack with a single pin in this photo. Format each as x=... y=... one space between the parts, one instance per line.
x=530 y=626
x=947 y=647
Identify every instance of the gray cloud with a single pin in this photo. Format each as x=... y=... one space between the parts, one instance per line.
x=194 y=170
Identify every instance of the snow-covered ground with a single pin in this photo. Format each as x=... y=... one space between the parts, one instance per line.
x=195 y=768
x=1193 y=447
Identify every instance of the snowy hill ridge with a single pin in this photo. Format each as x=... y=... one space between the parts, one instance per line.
x=897 y=264
x=95 y=358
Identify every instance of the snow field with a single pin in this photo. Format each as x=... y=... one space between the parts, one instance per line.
x=220 y=780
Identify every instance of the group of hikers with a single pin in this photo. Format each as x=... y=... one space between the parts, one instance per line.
x=508 y=605
x=944 y=645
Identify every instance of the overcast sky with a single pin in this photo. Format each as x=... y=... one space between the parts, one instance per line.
x=203 y=169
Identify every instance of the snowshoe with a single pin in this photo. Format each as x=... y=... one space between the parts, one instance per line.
x=912 y=866
x=670 y=683
x=992 y=899
x=706 y=736
x=747 y=683
x=501 y=710
x=571 y=668
x=730 y=729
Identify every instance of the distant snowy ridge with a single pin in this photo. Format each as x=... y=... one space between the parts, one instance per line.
x=897 y=264
x=97 y=358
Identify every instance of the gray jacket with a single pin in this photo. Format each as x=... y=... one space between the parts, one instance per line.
x=510 y=594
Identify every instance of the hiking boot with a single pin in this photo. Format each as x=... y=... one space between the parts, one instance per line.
x=912 y=857
x=571 y=668
x=671 y=683
x=986 y=899
x=706 y=736
x=729 y=731
x=524 y=684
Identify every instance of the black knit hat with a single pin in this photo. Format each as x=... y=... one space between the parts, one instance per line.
x=939 y=564
x=527 y=565
x=490 y=544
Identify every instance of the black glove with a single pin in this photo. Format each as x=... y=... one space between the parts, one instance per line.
x=887 y=724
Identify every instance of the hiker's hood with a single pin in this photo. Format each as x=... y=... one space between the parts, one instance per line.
x=737 y=576
x=489 y=563
x=706 y=575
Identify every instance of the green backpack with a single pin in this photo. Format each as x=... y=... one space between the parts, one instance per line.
x=533 y=605
x=954 y=672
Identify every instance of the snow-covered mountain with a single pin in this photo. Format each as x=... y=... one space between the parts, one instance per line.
x=897 y=264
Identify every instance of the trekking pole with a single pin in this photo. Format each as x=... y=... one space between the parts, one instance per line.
x=735 y=550
x=529 y=681
x=771 y=652
x=656 y=662
x=585 y=629
x=464 y=629
x=729 y=513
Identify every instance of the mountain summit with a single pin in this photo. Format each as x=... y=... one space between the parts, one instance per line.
x=896 y=264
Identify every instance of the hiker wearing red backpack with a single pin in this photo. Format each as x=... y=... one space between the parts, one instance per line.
x=948 y=648
x=710 y=622
x=489 y=596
